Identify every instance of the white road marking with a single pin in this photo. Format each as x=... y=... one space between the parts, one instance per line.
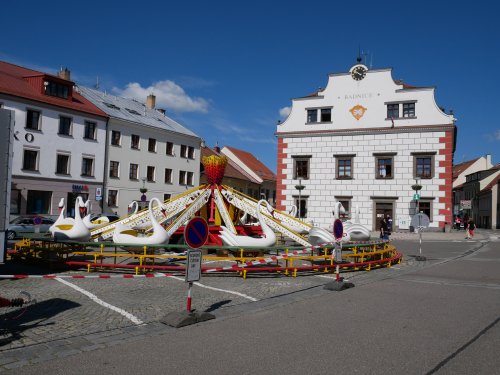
x=94 y=298
x=217 y=289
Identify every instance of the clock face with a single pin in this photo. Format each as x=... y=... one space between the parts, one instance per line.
x=358 y=73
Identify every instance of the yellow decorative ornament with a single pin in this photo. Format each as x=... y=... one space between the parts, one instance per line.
x=358 y=111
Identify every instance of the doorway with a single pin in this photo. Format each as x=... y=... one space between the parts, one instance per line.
x=382 y=209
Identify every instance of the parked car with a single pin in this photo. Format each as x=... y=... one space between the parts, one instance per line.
x=23 y=225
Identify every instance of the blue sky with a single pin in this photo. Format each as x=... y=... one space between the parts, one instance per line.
x=225 y=69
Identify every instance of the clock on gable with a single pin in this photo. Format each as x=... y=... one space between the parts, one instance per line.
x=358 y=72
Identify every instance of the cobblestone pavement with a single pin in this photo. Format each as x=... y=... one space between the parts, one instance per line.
x=65 y=321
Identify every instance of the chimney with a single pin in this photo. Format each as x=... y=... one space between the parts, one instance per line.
x=151 y=101
x=217 y=148
x=64 y=74
x=488 y=161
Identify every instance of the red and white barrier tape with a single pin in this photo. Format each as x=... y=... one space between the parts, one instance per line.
x=143 y=276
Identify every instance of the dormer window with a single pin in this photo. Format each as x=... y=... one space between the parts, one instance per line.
x=56 y=89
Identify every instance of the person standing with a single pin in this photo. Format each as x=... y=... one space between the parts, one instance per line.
x=389 y=225
x=384 y=231
x=471 y=226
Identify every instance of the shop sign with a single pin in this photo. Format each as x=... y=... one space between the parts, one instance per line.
x=79 y=188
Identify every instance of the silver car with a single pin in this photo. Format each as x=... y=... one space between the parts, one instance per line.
x=24 y=225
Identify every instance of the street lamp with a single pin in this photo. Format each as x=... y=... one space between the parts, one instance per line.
x=417 y=187
x=300 y=187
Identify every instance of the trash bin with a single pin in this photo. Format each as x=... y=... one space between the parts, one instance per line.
x=447 y=228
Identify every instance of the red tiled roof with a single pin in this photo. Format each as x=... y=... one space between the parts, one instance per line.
x=254 y=164
x=232 y=171
x=459 y=168
x=405 y=85
x=13 y=82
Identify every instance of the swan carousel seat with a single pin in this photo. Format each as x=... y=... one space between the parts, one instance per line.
x=357 y=231
x=61 y=219
x=294 y=228
x=124 y=234
x=133 y=209
x=268 y=239
x=72 y=229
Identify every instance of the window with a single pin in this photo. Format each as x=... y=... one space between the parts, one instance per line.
x=326 y=115
x=301 y=205
x=189 y=180
x=151 y=174
x=344 y=167
x=56 y=89
x=90 y=130
x=393 y=110
x=190 y=152
x=152 y=145
x=312 y=115
x=184 y=151
x=115 y=138
x=168 y=176
x=62 y=164
x=112 y=198
x=426 y=208
x=301 y=167
x=114 y=169
x=32 y=120
x=134 y=141
x=423 y=166
x=87 y=167
x=170 y=148
x=384 y=167
x=182 y=177
x=15 y=202
x=64 y=125
x=166 y=197
x=408 y=109
x=133 y=111
x=38 y=202
x=30 y=160
x=112 y=106
x=133 y=171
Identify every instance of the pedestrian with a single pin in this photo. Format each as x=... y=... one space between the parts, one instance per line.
x=471 y=226
x=389 y=225
x=384 y=231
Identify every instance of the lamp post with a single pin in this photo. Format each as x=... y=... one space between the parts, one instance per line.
x=143 y=190
x=417 y=187
x=300 y=187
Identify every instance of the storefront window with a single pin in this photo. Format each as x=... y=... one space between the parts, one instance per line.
x=38 y=202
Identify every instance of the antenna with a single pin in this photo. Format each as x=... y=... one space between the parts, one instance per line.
x=358 y=59
x=371 y=60
x=97 y=83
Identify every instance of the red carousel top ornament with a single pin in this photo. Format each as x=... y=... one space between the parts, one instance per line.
x=214 y=168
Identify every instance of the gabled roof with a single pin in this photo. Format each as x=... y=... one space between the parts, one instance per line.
x=133 y=111
x=13 y=81
x=462 y=167
x=491 y=184
x=253 y=163
x=232 y=170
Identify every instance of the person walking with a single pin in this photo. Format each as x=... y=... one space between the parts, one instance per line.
x=471 y=226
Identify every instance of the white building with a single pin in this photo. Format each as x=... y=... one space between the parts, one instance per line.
x=145 y=148
x=59 y=140
x=363 y=140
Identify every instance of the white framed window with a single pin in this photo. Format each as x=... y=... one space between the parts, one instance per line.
x=31 y=159
x=87 y=166
x=150 y=174
x=114 y=169
x=62 y=163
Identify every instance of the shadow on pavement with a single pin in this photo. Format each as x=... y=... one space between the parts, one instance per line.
x=13 y=322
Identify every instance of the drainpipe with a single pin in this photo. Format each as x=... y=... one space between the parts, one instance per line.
x=105 y=169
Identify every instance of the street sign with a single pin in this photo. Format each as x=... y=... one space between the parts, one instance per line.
x=98 y=192
x=420 y=220
x=193 y=267
x=37 y=220
x=465 y=205
x=416 y=197
x=338 y=229
x=196 y=232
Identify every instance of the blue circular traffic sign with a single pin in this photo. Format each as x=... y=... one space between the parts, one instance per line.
x=196 y=232
x=338 y=229
x=37 y=220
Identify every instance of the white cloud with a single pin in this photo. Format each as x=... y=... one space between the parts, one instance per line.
x=285 y=111
x=169 y=95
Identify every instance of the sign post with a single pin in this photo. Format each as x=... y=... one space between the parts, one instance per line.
x=420 y=221
x=196 y=235
x=338 y=285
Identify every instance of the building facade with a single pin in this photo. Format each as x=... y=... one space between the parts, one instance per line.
x=59 y=141
x=145 y=150
x=366 y=140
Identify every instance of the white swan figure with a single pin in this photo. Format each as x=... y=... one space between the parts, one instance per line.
x=61 y=219
x=86 y=220
x=357 y=231
x=269 y=238
x=133 y=209
x=123 y=234
x=293 y=228
x=319 y=235
x=74 y=230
